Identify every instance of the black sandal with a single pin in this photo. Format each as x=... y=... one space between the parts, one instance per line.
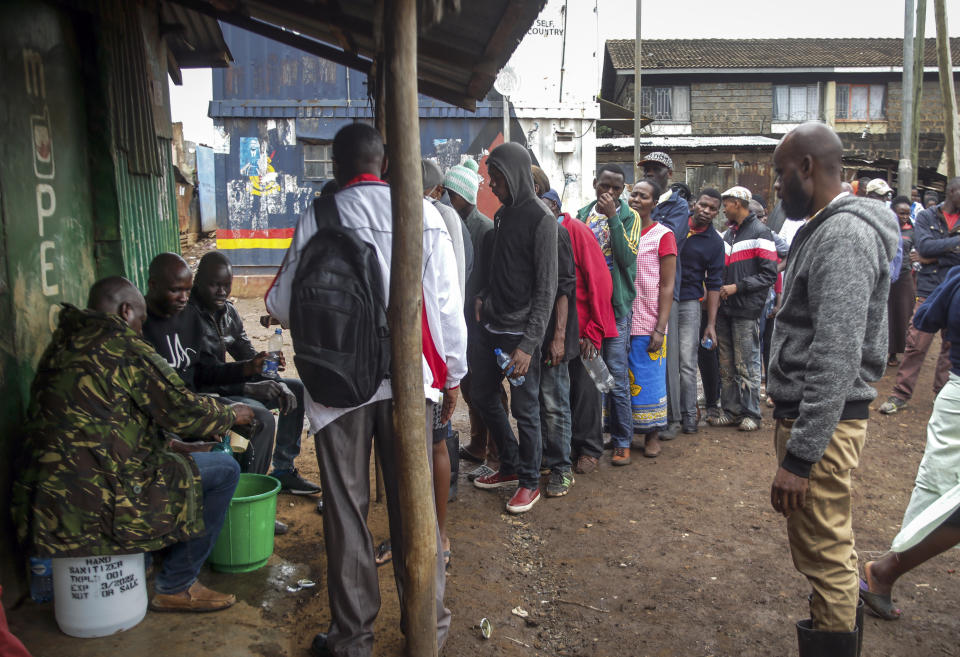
x=383 y=553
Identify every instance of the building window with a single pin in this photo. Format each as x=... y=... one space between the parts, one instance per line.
x=666 y=103
x=795 y=103
x=318 y=161
x=861 y=102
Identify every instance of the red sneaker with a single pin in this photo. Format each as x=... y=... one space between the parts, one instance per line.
x=495 y=480
x=523 y=500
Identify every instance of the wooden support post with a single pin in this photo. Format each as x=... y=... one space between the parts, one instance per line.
x=406 y=186
x=947 y=89
x=919 y=51
x=905 y=170
x=637 y=87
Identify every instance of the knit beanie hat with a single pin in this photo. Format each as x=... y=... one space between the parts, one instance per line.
x=463 y=180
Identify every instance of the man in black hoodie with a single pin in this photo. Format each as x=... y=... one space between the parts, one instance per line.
x=513 y=309
x=829 y=343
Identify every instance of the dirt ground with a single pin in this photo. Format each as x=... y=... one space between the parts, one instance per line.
x=671 y=557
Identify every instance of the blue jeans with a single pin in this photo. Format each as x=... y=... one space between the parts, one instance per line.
x=617 y=402
x=689 y=341
x=520 y=457
x=289 y=428
x=219 y=474
x=555 y=421
x=739 y=347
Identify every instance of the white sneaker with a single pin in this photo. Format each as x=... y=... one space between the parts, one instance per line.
x=749 y=424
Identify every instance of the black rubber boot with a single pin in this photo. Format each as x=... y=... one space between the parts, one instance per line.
x=815 y=643
x=859 y=622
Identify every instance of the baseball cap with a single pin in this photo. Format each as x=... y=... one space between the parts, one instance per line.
x=739 y=192
x=878 y=186
x=657 y=157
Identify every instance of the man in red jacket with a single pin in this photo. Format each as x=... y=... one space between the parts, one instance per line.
x=597 y=321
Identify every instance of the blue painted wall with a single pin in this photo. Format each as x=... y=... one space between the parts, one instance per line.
x=275 y=98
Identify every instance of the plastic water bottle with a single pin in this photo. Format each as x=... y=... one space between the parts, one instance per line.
x=502 y=360
x=41 y=579
x=598 y=371
x=707 y=343
x=274 y=350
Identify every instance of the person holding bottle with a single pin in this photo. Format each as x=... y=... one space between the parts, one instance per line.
x=655 y=277
x=512 y=310
x=701 y=277
x=222 y=334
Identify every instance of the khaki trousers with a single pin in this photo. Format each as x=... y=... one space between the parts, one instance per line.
x=821 y=533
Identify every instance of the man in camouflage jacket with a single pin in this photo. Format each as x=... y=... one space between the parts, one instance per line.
x=98 y=475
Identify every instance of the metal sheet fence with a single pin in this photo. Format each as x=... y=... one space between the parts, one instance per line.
x=148 y=223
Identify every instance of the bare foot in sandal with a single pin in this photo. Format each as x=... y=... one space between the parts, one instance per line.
x=875 y=592
x=383 y=553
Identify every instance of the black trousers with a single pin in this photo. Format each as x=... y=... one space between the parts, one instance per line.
x=708 y=361
x=585 y=410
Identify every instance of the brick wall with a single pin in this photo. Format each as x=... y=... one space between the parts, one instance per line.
x=931 y=106
x=731 y=108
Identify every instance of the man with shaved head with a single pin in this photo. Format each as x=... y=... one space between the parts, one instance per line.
x=177 y=334
x=826 y=349
x=98 y=476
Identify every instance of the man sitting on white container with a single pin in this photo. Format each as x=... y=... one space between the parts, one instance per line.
x=98 y=475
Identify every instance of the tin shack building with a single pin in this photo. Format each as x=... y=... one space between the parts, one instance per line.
x=86 y=183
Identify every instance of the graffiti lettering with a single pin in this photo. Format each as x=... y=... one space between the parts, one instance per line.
x=33 y=73
x=46 y=287
x=45 y=210
x=43 y=167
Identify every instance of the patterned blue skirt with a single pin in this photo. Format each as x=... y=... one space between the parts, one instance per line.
x=648 y=385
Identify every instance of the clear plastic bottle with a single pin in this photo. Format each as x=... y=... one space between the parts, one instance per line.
x=274 y=350
x=502 y=360
x=41 y=579
x=706 y=343
x=598 y=371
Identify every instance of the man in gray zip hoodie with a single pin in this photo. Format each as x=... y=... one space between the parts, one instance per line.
x=513 y=308
x=830 y=341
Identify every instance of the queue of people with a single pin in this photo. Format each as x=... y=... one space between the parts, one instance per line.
x=599 y=321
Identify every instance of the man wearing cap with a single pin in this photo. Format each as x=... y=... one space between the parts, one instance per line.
x=749 y=272
x=673 y=211
x=462 y=183
x=937 y=238
x=433 y=191
x=617 y=228
x=879 y=189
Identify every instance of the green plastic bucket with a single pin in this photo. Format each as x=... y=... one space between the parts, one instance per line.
x=246 y=540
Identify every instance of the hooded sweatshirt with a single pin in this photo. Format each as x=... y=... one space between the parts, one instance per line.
x=830 y=339
x=522 y=274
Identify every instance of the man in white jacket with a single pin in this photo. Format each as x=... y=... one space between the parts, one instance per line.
x=343 y=435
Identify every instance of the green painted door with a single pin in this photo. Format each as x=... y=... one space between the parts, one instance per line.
x=47 y=239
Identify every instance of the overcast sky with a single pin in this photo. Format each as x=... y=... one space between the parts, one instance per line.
x=763 y=19
x=674 y=19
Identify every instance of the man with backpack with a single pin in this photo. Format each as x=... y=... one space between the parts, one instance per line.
x=332 y=292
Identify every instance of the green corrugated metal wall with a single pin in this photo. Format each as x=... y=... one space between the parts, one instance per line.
x=147 y=223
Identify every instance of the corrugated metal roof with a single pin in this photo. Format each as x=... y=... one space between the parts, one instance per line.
x=457 y=58
x=194 y=39
x=769 y=53
x=689 y=143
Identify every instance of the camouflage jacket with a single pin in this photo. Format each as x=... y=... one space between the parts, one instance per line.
x=95 y=473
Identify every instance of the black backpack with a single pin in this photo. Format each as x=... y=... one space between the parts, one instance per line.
x=338 y=314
